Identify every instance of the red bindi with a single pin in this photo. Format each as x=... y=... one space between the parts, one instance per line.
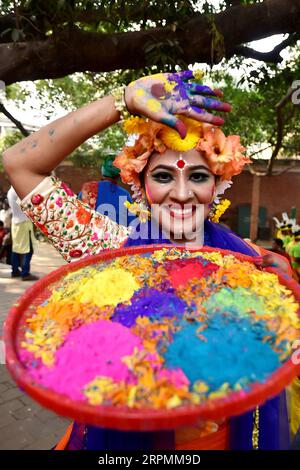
x=180 y=164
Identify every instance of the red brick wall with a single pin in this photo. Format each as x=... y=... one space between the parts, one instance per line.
x=277 y=194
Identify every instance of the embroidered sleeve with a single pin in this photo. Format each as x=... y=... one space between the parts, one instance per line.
x=72 y=227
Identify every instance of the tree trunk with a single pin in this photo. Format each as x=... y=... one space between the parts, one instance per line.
x=254 y=217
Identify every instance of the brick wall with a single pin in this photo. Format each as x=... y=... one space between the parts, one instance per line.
x=277 y=194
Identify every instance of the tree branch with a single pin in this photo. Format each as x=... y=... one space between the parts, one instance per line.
x=17 y=123
x=75 y=50
x=259 y=151
x=280 y=127
x=272 y=56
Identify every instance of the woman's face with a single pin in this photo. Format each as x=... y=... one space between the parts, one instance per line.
x=179 y=186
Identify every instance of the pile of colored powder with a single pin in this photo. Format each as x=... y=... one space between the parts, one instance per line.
x=182 y=270
x=108 y=287
x=217 y=322
x=231 y=349
x=92 y=350
x=241 y=301
x=149 y=303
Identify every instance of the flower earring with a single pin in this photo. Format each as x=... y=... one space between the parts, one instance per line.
x=139 y=207
x=217 y=210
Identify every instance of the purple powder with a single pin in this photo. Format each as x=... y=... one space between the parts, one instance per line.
x=150 y=303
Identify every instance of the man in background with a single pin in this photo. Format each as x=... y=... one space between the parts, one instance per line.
x=22 y=240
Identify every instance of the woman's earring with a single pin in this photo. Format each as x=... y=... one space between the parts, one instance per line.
x=139 y=206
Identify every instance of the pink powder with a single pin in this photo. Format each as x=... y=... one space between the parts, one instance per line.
x=95 y=349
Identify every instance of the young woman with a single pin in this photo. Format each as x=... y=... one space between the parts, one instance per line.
x=177 y=163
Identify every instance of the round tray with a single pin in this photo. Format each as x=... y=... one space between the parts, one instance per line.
x=123 y=418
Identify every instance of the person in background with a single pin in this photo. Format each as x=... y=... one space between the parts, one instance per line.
x=5 y=218
x=22 y=240
x=107 y=193
x=2 y=233
x=277 y=247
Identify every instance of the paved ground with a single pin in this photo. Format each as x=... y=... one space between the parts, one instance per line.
x=23 y=423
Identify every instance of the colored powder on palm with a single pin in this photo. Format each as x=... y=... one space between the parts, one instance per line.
x=108 y=287
x=238 y=300
x=232 y=352
x=94 y=349
x=150 y=303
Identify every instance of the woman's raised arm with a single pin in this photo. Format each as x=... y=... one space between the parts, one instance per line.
x=30 y=160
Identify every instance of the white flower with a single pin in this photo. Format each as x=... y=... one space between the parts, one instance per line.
x=221 y=188
x=132 y=138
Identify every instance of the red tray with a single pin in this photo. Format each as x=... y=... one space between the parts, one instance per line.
x=124 y=418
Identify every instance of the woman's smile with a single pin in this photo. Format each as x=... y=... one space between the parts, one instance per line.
x=178 y=212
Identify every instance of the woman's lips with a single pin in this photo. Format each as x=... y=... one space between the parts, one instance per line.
x=181 y=213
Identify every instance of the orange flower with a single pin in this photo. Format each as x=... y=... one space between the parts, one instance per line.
x=83 y=216
x=140 y=162
x=132 y=160
x=224 y=154
x=70 y=224
x=123 y=161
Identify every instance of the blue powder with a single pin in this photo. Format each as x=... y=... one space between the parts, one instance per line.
x=234 y=352
x=151 y=303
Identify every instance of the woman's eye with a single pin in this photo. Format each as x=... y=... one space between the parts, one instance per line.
x=199 y=177
x=163 y=177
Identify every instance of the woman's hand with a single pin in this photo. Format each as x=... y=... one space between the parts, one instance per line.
x=163 y=96
x=271 y=260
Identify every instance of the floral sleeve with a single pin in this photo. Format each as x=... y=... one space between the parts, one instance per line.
x=70 y=225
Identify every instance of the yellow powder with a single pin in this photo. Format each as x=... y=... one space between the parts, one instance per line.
x=140 y=92
x=108 y=287
x=153 y=105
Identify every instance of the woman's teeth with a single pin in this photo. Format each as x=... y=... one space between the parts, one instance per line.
x=181 y=212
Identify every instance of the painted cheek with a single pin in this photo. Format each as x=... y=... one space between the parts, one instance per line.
x=155 y=192
x=205 y=195
x=213 y=191
x=148 y=194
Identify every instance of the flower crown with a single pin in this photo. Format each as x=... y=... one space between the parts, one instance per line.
x=224 y=155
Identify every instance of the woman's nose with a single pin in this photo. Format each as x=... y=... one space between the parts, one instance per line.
x=181 y=192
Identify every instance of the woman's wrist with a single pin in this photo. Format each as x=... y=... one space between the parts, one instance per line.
x=120 y=103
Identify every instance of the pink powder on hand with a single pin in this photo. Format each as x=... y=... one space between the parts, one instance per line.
x=94 y=349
